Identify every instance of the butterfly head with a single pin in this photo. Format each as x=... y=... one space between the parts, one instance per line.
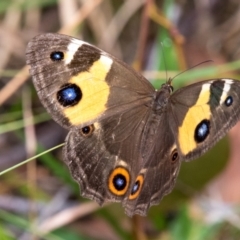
x=167 y=86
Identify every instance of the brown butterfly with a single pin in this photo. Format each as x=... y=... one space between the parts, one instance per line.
x=126 y=140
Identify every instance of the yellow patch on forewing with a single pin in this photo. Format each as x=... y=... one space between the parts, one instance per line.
x=95 y=92
x=199 y=111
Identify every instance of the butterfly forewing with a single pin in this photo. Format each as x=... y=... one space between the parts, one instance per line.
x=203 y=113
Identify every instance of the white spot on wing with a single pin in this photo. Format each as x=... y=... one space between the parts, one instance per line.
x=143 y=171
x=205 y=87
x=72 y=47
x=227 y=80
x=226 y=88
x=121 y=162
x=107 y=61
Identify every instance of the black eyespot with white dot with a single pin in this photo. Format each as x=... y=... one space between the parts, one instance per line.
x=119 y=182
x=57 y=56
x=202 y=131
x=69 y=95
x=87 y=130
x=229 y=101
x=135 y=188
x=174 y=156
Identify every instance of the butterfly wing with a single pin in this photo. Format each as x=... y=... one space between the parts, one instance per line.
x=160 y=168
x=79 y=84
x=197 y=116
x=203 y=113
x=127 y=158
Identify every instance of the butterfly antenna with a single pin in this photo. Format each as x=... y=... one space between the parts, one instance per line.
x=207 y=61
x=164 y=61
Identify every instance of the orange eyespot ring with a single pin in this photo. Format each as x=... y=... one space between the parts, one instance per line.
x=137 y=187
x=118 y=181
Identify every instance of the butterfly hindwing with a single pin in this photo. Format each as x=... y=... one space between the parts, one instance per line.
x=160 y=169
x=111 y=164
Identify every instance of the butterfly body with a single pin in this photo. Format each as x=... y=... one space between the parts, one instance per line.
x=126 y=140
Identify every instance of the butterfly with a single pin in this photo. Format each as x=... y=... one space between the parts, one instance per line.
x=126 y=140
